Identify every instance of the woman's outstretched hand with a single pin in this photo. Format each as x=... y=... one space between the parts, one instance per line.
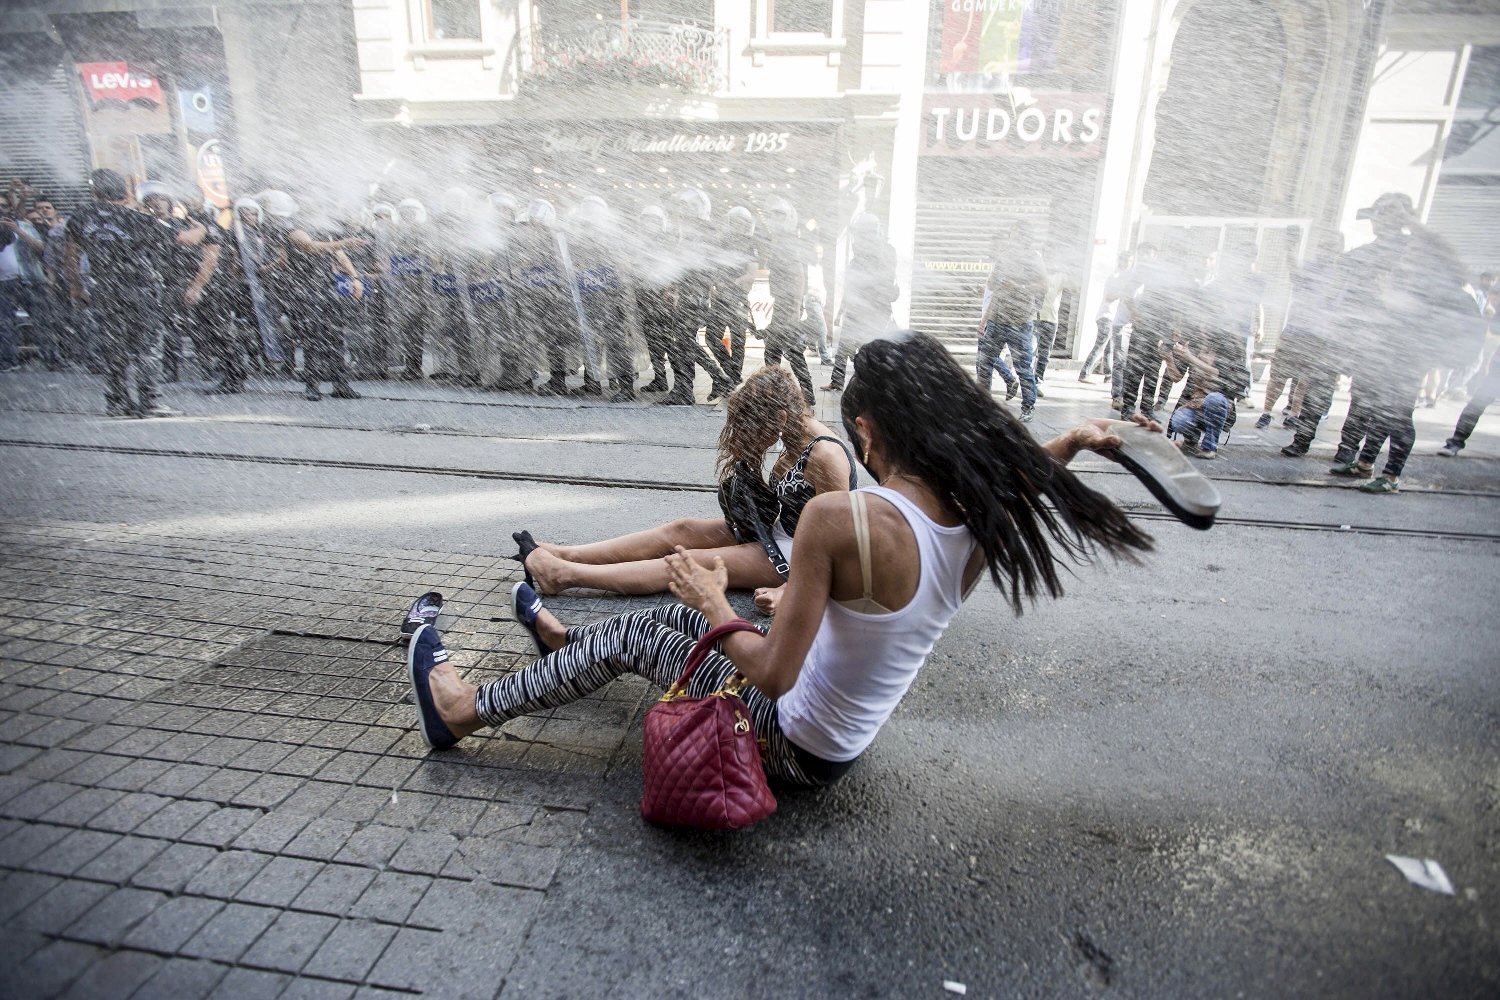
x=1096 y=434
x=693 y=585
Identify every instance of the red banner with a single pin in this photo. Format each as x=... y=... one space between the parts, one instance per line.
x=118 y=81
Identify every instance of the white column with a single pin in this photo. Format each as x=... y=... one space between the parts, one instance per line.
x=1126 y=155
x=902 y=225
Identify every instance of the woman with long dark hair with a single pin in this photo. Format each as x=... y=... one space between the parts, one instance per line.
x=766 y=409
x=879 y=573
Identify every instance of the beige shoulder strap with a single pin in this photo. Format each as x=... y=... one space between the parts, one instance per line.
x=862 y=538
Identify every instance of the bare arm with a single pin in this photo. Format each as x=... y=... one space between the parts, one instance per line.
x=772 y=662
x=828 y=468
x=307 y=244
x=193 y=235
x=206 y=267
x=346 y=267
x=33 y=244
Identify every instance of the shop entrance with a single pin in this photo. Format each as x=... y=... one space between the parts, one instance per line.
x=950 y=258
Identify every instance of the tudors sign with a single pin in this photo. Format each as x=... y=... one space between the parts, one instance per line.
x=1043 y=125
x=118 y=81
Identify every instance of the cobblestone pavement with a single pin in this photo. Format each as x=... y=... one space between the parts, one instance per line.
x=211 y=783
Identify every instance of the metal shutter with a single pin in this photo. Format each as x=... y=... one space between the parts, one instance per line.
x=951 y=258
x=1468 y=216
x=40 y=121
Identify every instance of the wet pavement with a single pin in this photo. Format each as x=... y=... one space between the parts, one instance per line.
x=1179 y=780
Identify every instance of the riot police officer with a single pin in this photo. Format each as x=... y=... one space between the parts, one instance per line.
x=406 y=283
x=786 y=258
x=654 y=272
x=608 y=310
x=690 y=215
x=548 y=317
x=305 y=278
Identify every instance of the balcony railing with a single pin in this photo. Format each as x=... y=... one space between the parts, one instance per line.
x=683 y=58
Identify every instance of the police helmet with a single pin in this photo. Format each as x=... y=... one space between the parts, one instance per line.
x=505 y=205
x=781 y=215
x=540 y=210
x=277 y=204
x=692 y=203
x=740 y=220
x=592 y=213
x=410 y=210
x=654 y=217
x=154 y=189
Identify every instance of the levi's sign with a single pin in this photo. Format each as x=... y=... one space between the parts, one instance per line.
x=1045 y=125
x=118 y=81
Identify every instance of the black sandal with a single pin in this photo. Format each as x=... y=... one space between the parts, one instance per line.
x=528 y=545
x=1161 y=467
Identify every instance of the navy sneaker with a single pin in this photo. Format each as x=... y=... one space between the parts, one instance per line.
x=426 y=652
x=525 y=604
x=423 y=611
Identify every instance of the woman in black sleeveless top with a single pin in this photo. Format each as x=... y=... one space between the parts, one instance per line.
x=766 y=409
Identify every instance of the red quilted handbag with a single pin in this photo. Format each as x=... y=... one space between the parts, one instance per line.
x=700 y=761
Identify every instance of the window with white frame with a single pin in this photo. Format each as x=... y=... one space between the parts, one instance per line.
x=451 y=20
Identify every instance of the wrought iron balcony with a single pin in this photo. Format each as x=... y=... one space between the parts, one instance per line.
x=679 y=57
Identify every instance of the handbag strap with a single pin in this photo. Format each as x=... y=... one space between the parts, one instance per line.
x=763 y=534
x=862 y=539
x=701 y=649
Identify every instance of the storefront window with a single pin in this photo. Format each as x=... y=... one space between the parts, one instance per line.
x=801 y=17
x=452 y=20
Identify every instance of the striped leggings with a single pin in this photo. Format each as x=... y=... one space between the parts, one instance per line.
x=654 y=644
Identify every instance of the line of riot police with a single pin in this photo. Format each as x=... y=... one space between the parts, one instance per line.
x=488 y=292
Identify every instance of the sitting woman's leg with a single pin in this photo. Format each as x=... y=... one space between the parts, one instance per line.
x=653 y=543
x=652 y=644
x=747 y=565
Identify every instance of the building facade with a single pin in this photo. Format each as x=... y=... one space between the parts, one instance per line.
x=1233 y=131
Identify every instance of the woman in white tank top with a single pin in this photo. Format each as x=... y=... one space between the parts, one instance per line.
x=878 y=576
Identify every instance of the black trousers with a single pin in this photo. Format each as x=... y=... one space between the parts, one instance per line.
x=1380 y=409
x=1046 y=336
x=457 y=340
x=685 y=352
x=1320 y=378
x=607 y=319
x=1142 y=363
x=784 y=338
x=656 y=327
x=1484 y=394
x=315 y=325
x=731 y=361
x=222 y=338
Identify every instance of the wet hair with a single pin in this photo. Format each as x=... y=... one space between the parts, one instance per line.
x=108 y=184
x=769 y=400
x=1026 y=511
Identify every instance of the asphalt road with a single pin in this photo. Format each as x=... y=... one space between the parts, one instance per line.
x=1179 y=780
